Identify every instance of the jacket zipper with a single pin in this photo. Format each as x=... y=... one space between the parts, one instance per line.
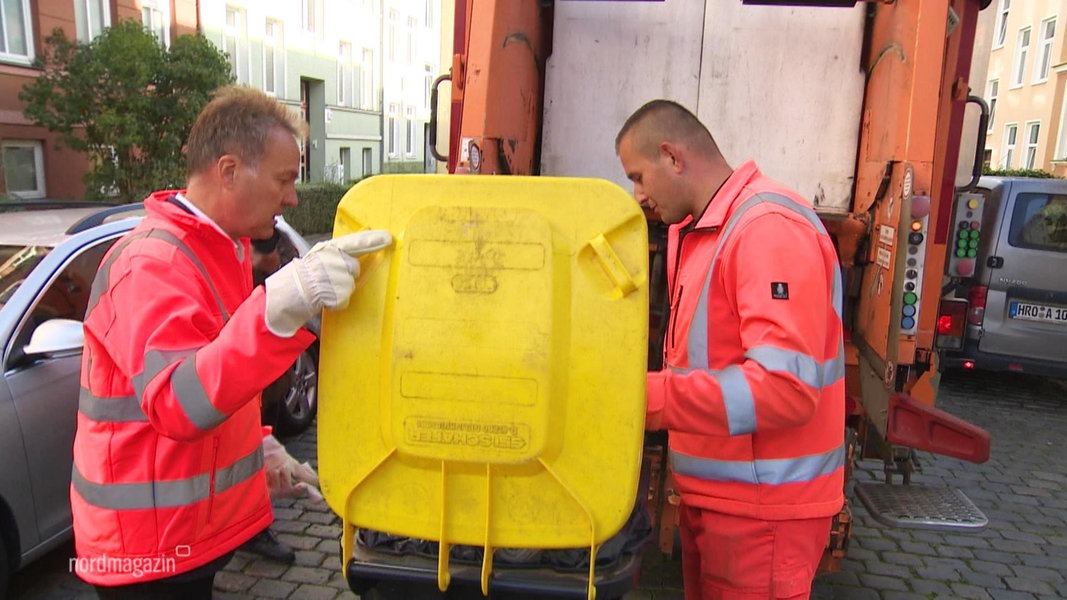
x=676 y=298
x=214 y=471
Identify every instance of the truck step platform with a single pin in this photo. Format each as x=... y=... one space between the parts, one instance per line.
x=921 y=507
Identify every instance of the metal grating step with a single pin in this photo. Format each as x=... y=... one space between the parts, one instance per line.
x=921 y=507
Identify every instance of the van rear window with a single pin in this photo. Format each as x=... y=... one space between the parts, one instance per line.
x=1039 y=222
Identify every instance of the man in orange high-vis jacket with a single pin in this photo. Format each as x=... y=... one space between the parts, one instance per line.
x=168 y=475
x=752 y=391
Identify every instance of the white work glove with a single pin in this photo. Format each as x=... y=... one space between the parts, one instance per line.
x=325 y=277
x=287 y=478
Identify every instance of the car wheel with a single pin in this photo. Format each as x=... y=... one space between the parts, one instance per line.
x=300 y=402
x=4 y=567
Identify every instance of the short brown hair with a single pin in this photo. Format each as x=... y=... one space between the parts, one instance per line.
x=666 y=120
x=237 y=121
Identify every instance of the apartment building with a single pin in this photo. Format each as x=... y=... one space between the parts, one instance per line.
x=357 y=70
x=1024 y=85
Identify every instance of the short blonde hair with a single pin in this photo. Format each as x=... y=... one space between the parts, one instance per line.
x=237 y=121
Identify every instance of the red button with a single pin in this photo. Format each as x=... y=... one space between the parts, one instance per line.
x=965 y=267
x=975 y=224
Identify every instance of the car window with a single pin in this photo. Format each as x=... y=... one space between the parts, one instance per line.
x=1039 y=222
x=67 y=296
x=16 y=262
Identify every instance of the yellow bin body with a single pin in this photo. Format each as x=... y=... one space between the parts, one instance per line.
x=486 y=384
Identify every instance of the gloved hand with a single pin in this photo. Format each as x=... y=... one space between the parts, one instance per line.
x=325 y=277
x=287 y=478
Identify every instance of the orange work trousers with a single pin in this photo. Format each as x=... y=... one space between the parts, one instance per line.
x=726 y=557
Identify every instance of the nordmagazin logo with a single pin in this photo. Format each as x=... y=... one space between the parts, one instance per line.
x=136 y=566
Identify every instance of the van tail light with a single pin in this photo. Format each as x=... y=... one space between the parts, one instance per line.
x=976 y=296
x=951 y=324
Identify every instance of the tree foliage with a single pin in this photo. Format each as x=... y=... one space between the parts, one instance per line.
x=127 y=102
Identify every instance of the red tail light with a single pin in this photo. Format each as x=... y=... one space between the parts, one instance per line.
x=976 y=296
x=951 y=323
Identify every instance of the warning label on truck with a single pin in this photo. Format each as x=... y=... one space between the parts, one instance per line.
x=472 y=434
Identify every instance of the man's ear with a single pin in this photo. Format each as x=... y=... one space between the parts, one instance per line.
x=672 y=152
x=226 y=168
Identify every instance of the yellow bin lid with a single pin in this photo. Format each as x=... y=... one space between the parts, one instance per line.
x=486 y=383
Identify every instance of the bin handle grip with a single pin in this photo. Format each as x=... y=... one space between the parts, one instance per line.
x=613 y=267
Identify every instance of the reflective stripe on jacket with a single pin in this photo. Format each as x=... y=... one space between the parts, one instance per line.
x=753 y=389
x=168 y=452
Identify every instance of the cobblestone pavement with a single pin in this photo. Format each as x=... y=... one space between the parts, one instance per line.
x=1022 y=555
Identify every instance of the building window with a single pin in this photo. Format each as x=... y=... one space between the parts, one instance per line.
x=368 y=162
x=994 y=88
x=412 y=137
x=234 y=43
x=1044 y=51
x=394 y=16
x=345 y=167
x=1010 y=133
x=16 y=45
x=310 y=15
x=366 y=81
x=23 y=162
x=1022 y=48
x=411 y=52
x=427 y=85
x=274 y=58
x=428 y=19
x=1033 y=132
x=344 y=74
x=1000 y=29
x=155 y=16
x=393 y=146
x=90 y=17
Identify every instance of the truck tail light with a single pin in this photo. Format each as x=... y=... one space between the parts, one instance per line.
x=976 y=296
x=951 y=324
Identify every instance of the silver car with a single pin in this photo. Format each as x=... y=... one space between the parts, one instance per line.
x=1007 y=271
x=48 y=259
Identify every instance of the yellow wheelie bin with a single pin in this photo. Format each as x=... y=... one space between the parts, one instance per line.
x=483 y=393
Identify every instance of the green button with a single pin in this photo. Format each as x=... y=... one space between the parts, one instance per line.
x=960 y=252
x=972 y=253
x=974 y=234
x=910 y=297
x=972 y=244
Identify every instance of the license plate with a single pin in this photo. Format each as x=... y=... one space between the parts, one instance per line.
x=1037 y=312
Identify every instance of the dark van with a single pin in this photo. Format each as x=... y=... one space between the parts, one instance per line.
x=1007 y=270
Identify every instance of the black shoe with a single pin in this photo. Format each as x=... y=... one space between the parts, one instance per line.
x=266 y=544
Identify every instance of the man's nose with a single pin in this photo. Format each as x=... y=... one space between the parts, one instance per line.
x=639 y=195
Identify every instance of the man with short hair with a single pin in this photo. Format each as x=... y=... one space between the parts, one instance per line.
x=752 y=392
x=168 y=473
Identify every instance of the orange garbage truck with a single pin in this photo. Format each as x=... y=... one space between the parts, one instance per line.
x=860 y=106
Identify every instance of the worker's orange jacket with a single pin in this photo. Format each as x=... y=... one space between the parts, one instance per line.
x=752 y=392
x=168 y=462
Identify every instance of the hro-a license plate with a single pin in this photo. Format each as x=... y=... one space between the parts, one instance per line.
x=1037 y=312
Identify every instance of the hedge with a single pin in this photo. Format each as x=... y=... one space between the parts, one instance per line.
x=318 y=205
x=1035 y=173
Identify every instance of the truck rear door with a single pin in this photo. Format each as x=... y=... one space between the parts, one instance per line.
x=1026 y=305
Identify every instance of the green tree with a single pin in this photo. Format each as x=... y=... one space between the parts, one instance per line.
x=127 y=102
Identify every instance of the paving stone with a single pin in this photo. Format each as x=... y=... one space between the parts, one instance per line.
x=1011 y=595
x=272 y=588
x=881 y=582
x=1034 y=586
x=930 y=588
x=265 y=568
x=315 y=592
x=227 y=581
x=966 y=591
x=307 y=575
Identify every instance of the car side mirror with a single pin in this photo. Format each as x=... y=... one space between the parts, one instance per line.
x=56 y=336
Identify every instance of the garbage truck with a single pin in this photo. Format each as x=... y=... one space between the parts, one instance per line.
x=863 y=107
